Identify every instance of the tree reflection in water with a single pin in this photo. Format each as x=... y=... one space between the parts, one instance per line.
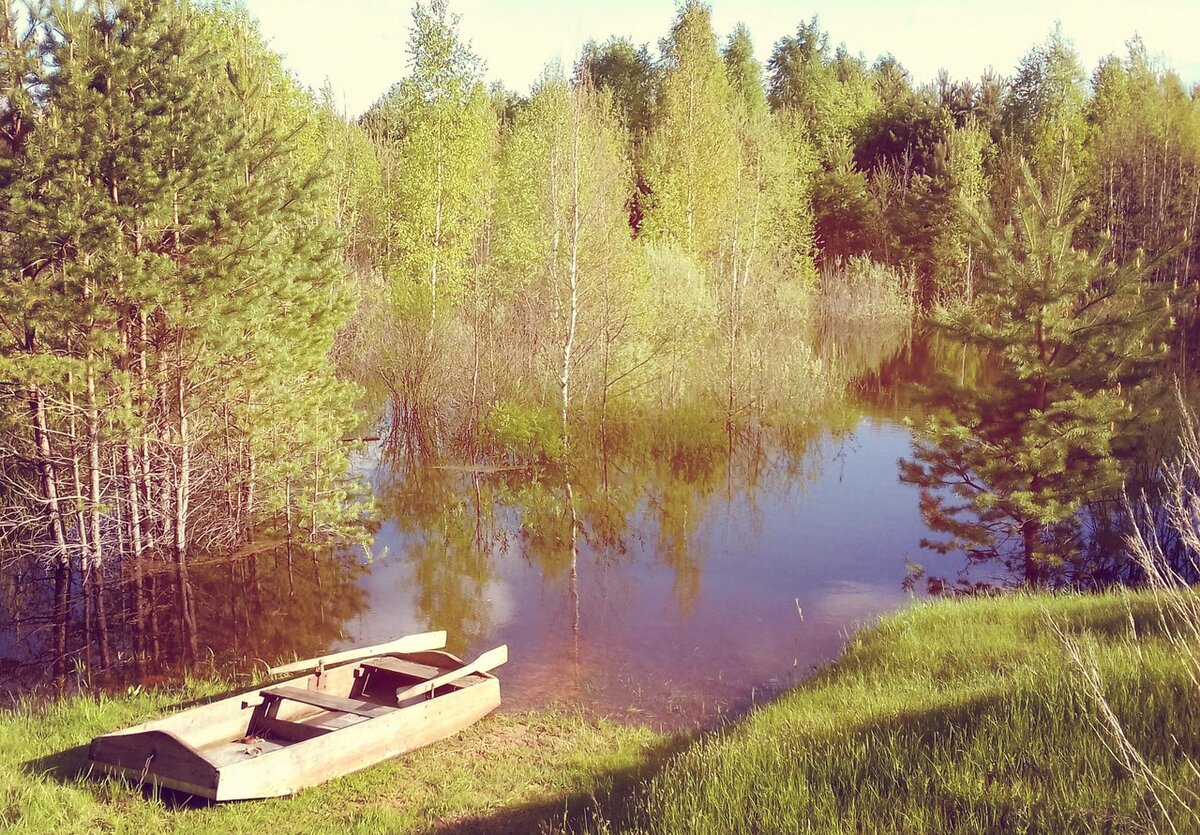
x=244 y=619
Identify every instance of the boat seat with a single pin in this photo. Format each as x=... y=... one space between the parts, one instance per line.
x=326 y=702
x=421 y=672
x=424 y=672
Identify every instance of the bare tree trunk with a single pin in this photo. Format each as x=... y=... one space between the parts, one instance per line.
x=287 y=515
x=1029 y=536
x=166 y=491
x=187 y=618
x=133 y=500
x=95 y=500
x=556 y=232
x=439 y=199
x=1190 y=242
x=482 y=250
x=54 y=523
x=83 y=530
x=312 y=526
x=154 y=578
x=248 y=531
x=572 y=282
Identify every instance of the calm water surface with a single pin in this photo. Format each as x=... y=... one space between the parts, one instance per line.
x=674 y=578
x=669 y=570
x=722 y=599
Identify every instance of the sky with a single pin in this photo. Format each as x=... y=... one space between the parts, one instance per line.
x=359 y=45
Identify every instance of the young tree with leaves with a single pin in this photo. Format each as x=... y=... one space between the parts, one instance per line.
x=437 y=127
x=568 y=233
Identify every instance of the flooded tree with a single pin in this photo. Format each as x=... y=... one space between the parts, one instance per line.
x=170 y=301
x=1067 y=339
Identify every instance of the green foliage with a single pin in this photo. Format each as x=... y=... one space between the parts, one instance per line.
x=744 y=71
x=832 y=94
x=436 y=129
x=529 y=433
x=792 y=208
x=1143 y=180
x=903 y=137
x=846 y=214
x=1043 y=113
x=629 y=73
x=563 y=239
x=693 y=155
x=1071 y=337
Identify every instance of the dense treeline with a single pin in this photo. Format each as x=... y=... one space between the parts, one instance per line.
x=766 y=207
x=205 y=266
x=730 y=202
x=172 y=289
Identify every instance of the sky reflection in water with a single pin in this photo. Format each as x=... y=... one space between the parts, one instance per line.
x=772 y=587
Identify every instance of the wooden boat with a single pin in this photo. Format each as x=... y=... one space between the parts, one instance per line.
x=351 y=711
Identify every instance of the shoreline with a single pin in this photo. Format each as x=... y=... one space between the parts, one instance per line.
x=955 y=715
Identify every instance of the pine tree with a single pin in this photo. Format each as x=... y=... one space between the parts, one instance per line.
x=175 y=295
x=1067 y=337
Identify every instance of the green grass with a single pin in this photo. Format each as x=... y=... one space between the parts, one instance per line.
x=505 y=773
x=957 y=716
x=963 y=716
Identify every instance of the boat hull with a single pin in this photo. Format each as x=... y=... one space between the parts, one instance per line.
x=205 y=751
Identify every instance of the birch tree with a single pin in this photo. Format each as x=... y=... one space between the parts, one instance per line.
x=574 y=239
x=438 y=126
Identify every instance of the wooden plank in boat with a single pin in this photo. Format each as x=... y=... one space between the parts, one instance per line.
x=399 y=665
x=409 y=643
x=487 y=661
x=153 y=754
x=291 y=731
x=328 y=702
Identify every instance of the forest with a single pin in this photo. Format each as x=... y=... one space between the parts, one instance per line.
x=215 y=284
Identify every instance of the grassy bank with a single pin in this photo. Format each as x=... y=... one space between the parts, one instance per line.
x=960 y=716
x=964 y=716
x=506 y=773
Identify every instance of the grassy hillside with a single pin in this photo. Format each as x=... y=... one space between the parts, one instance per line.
x=962 y=716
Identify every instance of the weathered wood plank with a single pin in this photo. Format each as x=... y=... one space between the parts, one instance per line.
x=291 y=731
x=487 y=661
x=409 y=643
x=326 y=701
x=155 y=754
x=399 y=665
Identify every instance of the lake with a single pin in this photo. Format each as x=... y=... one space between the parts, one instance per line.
x=706 y=602
x=671 y=574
